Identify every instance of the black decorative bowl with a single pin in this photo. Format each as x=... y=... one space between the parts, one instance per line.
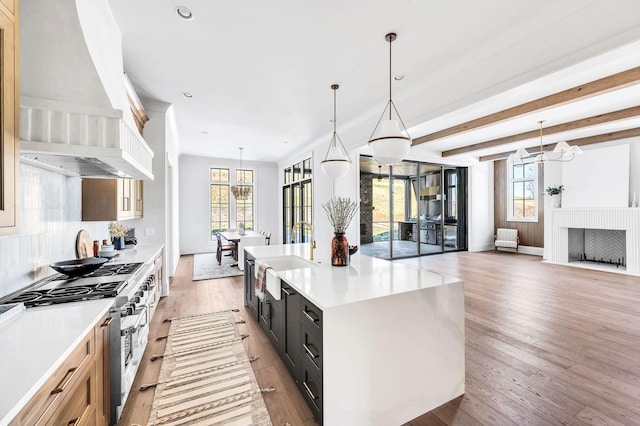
x=77 y=267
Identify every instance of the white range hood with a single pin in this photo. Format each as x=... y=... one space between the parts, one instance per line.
x=75 y=117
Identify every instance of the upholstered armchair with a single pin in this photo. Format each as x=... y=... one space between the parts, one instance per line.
x=506 y=238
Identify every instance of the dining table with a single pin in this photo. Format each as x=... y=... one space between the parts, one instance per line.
x=234 y=237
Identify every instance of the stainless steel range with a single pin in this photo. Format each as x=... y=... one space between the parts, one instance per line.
x=135 y=292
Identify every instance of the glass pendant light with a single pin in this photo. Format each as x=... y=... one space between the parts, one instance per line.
x=336 y=162
x=564 y=151
x=390 y=141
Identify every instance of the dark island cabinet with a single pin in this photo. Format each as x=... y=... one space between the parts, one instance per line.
x=272 y=320
x=250 y=298
x=291 y=342
x=294 y=327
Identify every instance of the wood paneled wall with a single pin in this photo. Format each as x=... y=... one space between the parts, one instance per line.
x=531 y=233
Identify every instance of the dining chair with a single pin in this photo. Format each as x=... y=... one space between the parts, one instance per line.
x=226 y=247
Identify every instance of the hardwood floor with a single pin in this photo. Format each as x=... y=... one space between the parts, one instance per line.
x=545 y=344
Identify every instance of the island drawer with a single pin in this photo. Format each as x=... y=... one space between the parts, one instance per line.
x=312 y=347
x=311 y=315
x=311 y=388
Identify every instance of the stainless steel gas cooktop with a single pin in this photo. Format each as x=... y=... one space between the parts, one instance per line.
x=106 y=281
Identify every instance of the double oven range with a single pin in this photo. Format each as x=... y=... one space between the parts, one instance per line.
x=135 y=289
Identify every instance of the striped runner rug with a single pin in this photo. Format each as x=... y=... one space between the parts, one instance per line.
x=206 y=376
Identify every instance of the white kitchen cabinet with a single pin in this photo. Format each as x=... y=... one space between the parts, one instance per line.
x=112 y=199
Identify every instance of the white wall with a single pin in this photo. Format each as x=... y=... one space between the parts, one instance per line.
x=552 y=177
x=194 y=190
x=160 y=203
x=173 y=202
x=481 y=204
x=597 y=178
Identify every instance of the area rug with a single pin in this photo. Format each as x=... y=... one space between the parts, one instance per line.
x=205 y=267
x=206 y=376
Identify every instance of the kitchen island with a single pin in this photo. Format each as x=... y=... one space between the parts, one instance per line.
x=375 y=342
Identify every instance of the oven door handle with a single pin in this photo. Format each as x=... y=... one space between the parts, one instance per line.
x=142 y=314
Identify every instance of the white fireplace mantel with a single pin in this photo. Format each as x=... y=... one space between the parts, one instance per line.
x=624 y=219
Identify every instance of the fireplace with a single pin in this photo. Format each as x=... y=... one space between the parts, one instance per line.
x=590 y=231
x=599 y=246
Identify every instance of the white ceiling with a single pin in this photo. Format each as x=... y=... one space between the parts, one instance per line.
x=260 y=72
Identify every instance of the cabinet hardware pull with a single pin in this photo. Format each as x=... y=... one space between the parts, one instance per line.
x=107 y=322
x=287 y=292
x=309 y=351
x=309 y=317
x=65 y=381
x=306 y=387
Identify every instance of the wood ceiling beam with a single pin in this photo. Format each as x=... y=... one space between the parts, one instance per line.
x=597 y=87
x=605 y=137
x=564 y=127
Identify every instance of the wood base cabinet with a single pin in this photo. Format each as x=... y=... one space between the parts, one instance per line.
x=77 y=393
x=9 y=116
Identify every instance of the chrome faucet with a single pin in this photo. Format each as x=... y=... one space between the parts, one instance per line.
x=312 y=245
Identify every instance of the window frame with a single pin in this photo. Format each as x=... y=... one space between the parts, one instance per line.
x=222 y=184
x=297 y=199
x=242 y=204
x=510 y=195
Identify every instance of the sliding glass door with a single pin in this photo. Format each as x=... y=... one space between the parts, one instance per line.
x=411 y=209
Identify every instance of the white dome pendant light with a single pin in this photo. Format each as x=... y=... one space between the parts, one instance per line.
x=336 y=162
x=390 y=141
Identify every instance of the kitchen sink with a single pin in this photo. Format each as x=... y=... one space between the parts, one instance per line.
x=279 y=264
x=286 y=263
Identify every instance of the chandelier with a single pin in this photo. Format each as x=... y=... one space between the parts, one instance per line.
x=562 y=152
x=336 y=162
x=390 y=141
x=240 y=191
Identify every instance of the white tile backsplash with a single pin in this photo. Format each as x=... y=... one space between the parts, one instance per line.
x=50 y=218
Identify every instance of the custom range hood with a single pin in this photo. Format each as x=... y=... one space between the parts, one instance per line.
x=75 y=115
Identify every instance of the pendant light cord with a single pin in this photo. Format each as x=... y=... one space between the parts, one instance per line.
x=540 y=122
x=390 y=101
x=334 y=112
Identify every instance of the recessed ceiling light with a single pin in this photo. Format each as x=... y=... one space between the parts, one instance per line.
x=187 y=94
x=184 y=13
x=398 y=77
x=285 y=141
x=204 y=132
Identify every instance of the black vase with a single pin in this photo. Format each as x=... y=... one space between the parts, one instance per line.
x=118 y=243
x=339 y=250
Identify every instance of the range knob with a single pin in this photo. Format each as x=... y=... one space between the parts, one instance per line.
x=127 y=309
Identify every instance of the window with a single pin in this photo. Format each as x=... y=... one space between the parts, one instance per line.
x=244 y=207
x=523 y=192
x=297 y=198
x=219 y=201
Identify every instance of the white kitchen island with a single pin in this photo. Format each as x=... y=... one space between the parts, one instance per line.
x=392 y=336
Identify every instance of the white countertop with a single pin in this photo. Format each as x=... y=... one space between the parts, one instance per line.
x=36 y=342
x=364 y=279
